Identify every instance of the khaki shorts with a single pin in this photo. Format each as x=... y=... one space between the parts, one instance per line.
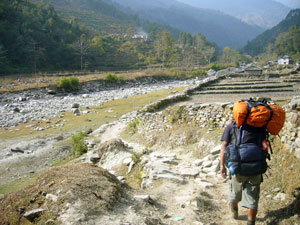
x=245 y=188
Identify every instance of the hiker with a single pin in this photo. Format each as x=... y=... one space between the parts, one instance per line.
x=244 y=151
x=245 y=188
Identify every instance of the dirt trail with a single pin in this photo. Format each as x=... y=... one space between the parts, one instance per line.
x=191 y=202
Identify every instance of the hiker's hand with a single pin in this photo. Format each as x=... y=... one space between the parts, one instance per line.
x=223 y=172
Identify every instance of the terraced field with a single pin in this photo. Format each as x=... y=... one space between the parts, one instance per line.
x=236 y=87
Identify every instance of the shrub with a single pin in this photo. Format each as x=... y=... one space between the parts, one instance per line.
x=133 y=126
x=68 y=84
x=216 y=67
x=113 y=78
x=199 y=73
x=79 y=146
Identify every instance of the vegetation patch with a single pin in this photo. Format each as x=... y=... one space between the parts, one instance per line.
x=113 y=78
x=199 y=73
x=217 y=67
x=133 y=126
x=69 y=84
x=17 y=185
x=79 y=146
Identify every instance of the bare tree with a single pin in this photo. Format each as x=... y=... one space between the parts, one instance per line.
x=82 y=46
x=36 y=52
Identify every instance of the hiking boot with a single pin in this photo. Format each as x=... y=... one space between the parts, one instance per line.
x=234 y=211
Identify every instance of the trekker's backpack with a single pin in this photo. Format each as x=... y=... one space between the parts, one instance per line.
x=259 y=114
x=245 y=155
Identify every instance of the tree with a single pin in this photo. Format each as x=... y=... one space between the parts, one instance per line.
x=82 y=46
x=129 y=51
x=36 y=53
x=163 y=45
x=230 y=56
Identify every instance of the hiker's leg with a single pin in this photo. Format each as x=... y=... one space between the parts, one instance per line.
x=250 y=197
x=234 y=204
x=235 y=189
x=252 y=214
x=235 y=195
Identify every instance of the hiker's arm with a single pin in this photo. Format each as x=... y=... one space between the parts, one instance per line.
x=223 y=170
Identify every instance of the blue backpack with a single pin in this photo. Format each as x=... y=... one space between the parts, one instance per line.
x=245 y=154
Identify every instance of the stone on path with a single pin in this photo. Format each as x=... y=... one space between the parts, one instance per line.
x=171 y=177
x=188 y=171
x=32 y=214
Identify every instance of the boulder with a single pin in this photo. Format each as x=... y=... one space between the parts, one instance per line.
x=75 y=106
x=51 y=92
x=32 y=214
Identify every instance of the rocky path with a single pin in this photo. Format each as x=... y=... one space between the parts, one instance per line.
x=184 y=189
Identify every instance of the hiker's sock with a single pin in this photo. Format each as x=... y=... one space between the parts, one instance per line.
x=251 y=222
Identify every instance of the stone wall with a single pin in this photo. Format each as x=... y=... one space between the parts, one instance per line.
x=290 y=134
x=216 y=115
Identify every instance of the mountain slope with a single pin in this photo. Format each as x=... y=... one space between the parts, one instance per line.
x=257 y=45
x=267 y=13
x=96 y=14
x=33 y=36
x=217 y=27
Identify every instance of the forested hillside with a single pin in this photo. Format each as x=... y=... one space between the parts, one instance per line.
x=222 y=29
x=33 y=35
x=259 y=44
x=98 y=15
x=35 y=38
x=288 y=43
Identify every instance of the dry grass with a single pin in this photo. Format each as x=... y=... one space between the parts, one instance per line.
x=20 y=83
x=283 y=175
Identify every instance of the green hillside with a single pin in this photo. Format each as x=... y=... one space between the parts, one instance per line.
x=95 y=14
x=34 y=36
x=258 y=45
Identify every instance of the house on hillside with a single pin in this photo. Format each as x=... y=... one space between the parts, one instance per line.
x=140 y=37
x=253 y=69
x=285 y=60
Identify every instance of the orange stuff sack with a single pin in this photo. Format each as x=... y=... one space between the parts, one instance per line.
x=259 y=116
x=240 y=111
x=277 y=121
